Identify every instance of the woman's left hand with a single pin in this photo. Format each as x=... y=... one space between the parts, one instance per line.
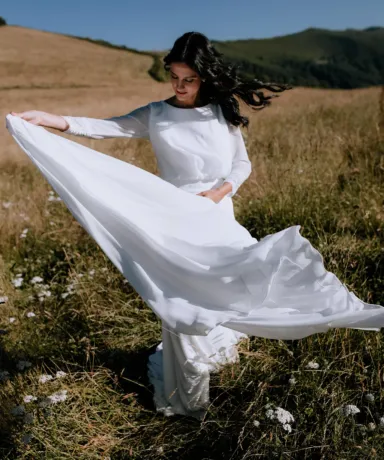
x=214 y=194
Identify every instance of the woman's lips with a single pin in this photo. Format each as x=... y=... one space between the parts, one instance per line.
x=178 y=92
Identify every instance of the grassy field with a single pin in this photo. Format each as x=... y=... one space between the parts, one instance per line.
x=318 y=161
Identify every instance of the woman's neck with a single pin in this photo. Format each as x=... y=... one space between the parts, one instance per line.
x=197 y=103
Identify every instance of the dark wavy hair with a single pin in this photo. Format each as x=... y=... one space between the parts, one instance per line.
x=220 y=81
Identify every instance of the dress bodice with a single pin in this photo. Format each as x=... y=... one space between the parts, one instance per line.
x=196 y=148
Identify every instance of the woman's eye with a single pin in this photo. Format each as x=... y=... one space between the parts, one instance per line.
x=186 y=81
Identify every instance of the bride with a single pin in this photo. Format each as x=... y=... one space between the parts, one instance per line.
x=175 y=237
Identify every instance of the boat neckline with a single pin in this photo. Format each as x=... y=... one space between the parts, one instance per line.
x=187 y=108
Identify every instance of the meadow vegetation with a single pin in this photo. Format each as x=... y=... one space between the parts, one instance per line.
x=66 y=312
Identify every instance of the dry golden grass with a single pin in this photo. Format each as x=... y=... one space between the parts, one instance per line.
x=31 y=58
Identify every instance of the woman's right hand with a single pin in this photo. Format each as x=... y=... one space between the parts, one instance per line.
x=39 y=118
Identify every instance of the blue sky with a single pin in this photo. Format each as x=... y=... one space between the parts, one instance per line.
x=155 y=24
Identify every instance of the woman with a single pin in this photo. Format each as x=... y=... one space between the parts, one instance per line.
x=203 y=274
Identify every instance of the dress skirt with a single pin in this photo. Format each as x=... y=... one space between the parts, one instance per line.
x=179 y=370
x=194 y=265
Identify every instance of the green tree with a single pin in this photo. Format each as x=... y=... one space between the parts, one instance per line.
x=3 y=22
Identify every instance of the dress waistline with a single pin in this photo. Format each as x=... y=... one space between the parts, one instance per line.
x=196 y=185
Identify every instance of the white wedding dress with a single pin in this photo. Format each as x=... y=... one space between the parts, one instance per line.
x=208 y=280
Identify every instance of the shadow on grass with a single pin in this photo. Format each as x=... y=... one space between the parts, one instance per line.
x=130 y=368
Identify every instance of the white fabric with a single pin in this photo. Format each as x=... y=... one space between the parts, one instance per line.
x=192 y=146
x=198 y=269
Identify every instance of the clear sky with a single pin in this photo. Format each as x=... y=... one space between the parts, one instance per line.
x=155 y=24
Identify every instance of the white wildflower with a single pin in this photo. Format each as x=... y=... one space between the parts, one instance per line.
x=30 y=314
x=4 y=375
x=53 y=197
x=312 y=365
x=24 y=233
x=18 y=281
x=104 y=269
x=29 y=398
x=3 y=299
x=18 y=410
x=60 y=374
x=7 y=204
x=381 y=422
x=349 y=409
x=24 y=216
x=21 y=365
x=292 y=381
x=91 y=272
x=12 y=319
x=287 y=427
x=45 y=378
x=80 y=275
x=37 y=279
x=44 y=292
x=371 y=427
x=70 y=290
x=59 y=396
x=27 y=438
x=125 y=281
x=28 y=418
x=369 y=397
x=282 y=415
x=256 y=423
x=55 y=398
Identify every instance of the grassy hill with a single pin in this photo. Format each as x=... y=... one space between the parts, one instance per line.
x=314 y=57
x=36 y=59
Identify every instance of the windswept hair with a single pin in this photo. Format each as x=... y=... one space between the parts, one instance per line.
x=220 y=81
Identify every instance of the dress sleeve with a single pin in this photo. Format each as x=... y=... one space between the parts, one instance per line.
x=133 y=124
x=241 y=165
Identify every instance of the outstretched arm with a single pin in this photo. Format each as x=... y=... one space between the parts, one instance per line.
x=133 y=124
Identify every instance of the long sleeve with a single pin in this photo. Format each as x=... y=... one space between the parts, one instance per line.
x=241 y=165
x=133 y=124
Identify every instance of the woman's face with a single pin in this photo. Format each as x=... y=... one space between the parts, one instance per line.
x=185 y=83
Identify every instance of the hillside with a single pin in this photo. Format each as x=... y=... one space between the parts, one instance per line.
x=33 y=58
x=314 y=57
